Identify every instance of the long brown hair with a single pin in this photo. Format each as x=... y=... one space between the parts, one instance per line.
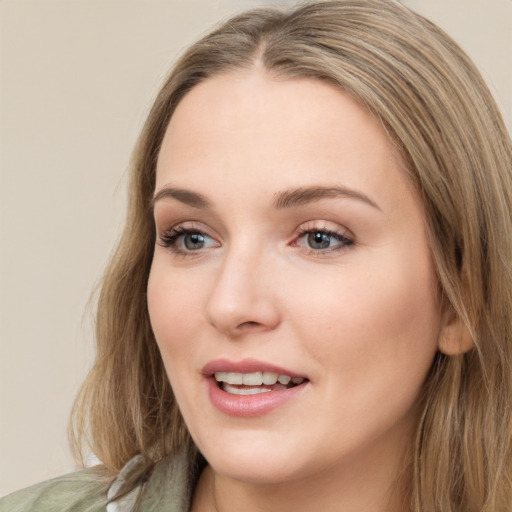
x=442 y=118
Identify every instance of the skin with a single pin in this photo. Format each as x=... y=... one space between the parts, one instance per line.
x=361 y=320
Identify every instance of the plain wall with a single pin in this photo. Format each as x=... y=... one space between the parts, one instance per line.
x=76 y=80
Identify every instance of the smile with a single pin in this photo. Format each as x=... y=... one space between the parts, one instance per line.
x=250 y=387
x=255 y=382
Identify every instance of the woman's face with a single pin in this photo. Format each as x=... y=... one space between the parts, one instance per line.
x=290 y=246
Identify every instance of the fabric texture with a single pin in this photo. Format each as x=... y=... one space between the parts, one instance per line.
x=168 y=489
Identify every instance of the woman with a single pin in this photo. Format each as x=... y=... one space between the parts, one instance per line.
x=309 y=307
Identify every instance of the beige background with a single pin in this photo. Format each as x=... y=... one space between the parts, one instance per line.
x=76 y=79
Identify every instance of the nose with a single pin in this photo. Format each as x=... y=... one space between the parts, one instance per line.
x=243 y=298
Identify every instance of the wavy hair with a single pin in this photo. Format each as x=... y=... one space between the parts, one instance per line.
x=441 y=116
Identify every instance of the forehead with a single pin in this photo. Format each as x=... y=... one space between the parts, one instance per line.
x=252 y=128
x=253 y=99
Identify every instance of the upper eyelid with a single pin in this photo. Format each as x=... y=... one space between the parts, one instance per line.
x=180 y=229
x=325 y=225
x=187 y=225
x=340 y=235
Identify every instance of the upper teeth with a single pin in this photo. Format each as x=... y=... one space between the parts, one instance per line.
x=256 y=378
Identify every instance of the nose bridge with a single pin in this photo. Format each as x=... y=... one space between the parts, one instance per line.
x=243 y=295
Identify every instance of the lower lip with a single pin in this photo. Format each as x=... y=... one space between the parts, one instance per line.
x=247 y=406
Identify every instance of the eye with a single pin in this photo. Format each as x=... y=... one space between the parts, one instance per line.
x=321 y=240
x=193 y=241
x=183 y=240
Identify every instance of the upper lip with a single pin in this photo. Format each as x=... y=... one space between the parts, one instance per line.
x=245 y=366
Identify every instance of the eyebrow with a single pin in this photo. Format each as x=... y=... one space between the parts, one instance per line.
x=305 y=195
x=282 y=200
x=184 y=196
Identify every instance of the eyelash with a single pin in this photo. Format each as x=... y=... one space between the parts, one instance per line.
x=168 y=239
x=345 y=241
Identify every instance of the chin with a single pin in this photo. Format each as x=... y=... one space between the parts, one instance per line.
x=253 y=460
x=255 y=472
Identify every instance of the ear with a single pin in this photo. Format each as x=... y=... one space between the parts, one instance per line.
x=454 y=337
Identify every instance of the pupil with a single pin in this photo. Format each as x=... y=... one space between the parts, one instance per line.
x=319 y=240
x=194 y=241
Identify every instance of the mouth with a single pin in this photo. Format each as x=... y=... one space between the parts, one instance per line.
x=249 y=388
x=255 y=383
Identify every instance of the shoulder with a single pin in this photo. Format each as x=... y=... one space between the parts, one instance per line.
x=83 y=491
x=91 y=490
x=171 y=484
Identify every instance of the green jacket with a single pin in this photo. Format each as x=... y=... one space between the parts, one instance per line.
x=167 y=489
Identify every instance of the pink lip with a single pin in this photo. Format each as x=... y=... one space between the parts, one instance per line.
x=245 y=366
x=246 y=406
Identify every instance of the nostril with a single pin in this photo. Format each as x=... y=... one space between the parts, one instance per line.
x=249 y=325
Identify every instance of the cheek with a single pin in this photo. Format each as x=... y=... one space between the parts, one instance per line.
x=374 y=337
x=378 y=321
x=171 y=307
